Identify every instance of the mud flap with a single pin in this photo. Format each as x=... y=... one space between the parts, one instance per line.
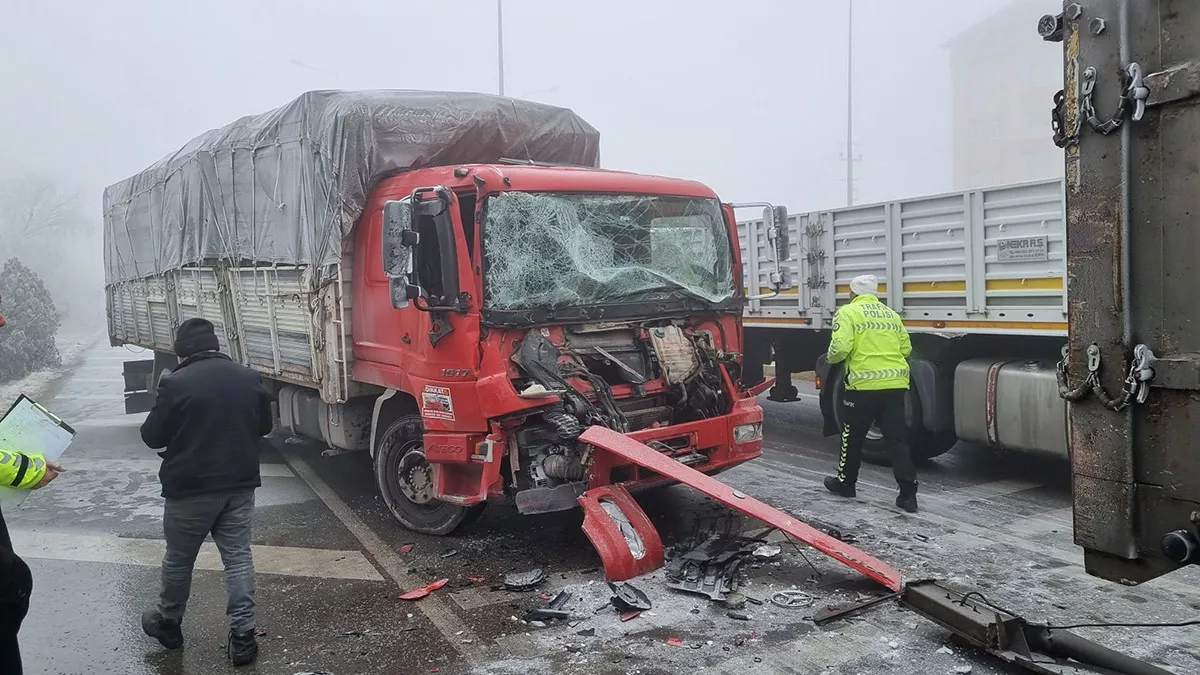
x=623 y=535
x=628 y=449
x=140 y=390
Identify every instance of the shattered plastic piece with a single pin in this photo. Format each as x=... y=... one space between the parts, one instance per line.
x=260 y=631
x=524 y=581
x=631 y=615
x=945 y=650
x=450 y=553
x=478 y=580
x=675 y=642
x=405 y=548
x=894 y=645
x=962 y=670
x=740 y=616
x=587 y=632
x=418 y=593
x=628 y=597
x=767 y=551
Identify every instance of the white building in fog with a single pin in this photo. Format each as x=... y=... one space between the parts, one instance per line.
x=1003 y=80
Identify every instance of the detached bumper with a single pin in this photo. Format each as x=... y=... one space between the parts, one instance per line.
x=708 y=446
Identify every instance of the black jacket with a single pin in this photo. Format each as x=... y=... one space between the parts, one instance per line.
x=210 y=415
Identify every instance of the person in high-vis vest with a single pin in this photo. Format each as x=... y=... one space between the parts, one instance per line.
x=23 y=471
x=871 y=340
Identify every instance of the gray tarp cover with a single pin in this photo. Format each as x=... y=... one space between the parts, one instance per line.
x=288 y=185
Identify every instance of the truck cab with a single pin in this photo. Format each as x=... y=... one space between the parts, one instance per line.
x=503 y=309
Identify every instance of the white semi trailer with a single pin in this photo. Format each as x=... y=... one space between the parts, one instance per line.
x=979 y=278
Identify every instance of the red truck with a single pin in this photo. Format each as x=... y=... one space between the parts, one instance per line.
x=407 y=291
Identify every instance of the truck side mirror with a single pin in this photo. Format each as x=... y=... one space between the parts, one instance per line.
x=783 y=243
x=399 y=239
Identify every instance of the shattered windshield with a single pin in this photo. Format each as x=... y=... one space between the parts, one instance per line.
x=548 y=250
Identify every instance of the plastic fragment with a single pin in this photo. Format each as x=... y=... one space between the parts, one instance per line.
x=418 y=593
x=675 y=642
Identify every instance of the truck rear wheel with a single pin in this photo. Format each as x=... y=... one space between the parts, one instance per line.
x=924 y=445
x=405 y=481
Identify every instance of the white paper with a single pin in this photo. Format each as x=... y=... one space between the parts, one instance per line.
x=30 y=428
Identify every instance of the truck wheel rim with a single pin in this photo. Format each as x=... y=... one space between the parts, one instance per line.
x=415 y=477
x=874 y=433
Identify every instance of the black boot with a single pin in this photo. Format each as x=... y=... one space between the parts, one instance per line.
x=243 y=647
x=908 y=497
x=837 y=487
x=168 y=633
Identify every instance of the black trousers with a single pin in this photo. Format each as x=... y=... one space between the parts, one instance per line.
x=859 y=410
x=15 y=588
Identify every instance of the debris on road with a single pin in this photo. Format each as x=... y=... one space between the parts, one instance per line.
x=524 y=581
x=792 y=599
x=587 y=632
x=552 y=612
x=740 y=616
x=627 y=597
x=478 y=580
x=962 y=670
x=767 y=551
x=450 y=553
x=418 y=593
x=834 y=612
x=675 y=642
x=405 y=548
x=630 y=615
x=945 y=650
x=709 y=568
x=735 y=601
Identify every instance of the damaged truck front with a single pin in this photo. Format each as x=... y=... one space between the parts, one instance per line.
x=406 y=290
x=607 y=299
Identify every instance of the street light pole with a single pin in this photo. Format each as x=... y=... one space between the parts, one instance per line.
x=500 y=43
x=850 y=103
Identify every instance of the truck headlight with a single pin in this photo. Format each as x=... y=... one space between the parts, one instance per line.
x=747 y=433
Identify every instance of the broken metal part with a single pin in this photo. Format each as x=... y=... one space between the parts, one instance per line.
x=830 y=614
x=524 y=581
x=549 y=499
x=709 y=568
x=628 y=547
x=628 y=598
x=607 y=440
x=1038 y=648
x=554 y=611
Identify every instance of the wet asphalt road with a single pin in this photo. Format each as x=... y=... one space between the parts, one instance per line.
x=331 y=562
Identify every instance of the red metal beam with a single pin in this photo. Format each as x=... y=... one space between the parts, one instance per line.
x=607 y=440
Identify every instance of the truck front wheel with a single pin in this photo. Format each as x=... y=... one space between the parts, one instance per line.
x=405 y=481
x=924 y=445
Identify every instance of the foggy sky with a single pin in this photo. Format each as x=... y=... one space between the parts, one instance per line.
x=748 y=97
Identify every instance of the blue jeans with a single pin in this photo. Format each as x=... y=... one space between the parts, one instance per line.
x=186 y=523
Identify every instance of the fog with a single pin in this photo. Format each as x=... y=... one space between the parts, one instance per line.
x=749 y=97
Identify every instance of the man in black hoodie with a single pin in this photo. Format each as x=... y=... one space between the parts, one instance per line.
x=210 y=416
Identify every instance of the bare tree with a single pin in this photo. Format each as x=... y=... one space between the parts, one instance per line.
x=33 y=207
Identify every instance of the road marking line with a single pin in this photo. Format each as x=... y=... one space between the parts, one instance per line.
x=150 y=466
x=130 y=421
x=434 y=607
x=281 y=560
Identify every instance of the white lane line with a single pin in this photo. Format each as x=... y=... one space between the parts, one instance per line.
x=434 y=606
x=131 y=421
x=150 y=466
x=281 y=560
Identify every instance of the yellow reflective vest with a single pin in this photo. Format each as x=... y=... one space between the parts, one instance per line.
x=21 y=470
x=870 y=337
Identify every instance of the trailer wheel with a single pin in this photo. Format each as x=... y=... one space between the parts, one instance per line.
x=405 y=482
x=925 y=445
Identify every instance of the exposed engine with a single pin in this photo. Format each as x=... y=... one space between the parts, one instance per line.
x=626 y=377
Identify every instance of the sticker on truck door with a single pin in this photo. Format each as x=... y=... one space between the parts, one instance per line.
x=436 y=403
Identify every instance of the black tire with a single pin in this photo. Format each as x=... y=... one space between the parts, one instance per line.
x=404 y=480
x=923 y=444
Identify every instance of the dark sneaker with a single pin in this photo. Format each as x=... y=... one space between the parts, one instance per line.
x=168 y=633
x=837 y=487
x=243 y=647
x=908 y=502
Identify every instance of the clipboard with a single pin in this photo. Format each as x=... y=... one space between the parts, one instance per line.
x=28 y=427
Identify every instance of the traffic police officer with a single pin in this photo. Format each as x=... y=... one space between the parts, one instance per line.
x=24 y=471
x=870 y=338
